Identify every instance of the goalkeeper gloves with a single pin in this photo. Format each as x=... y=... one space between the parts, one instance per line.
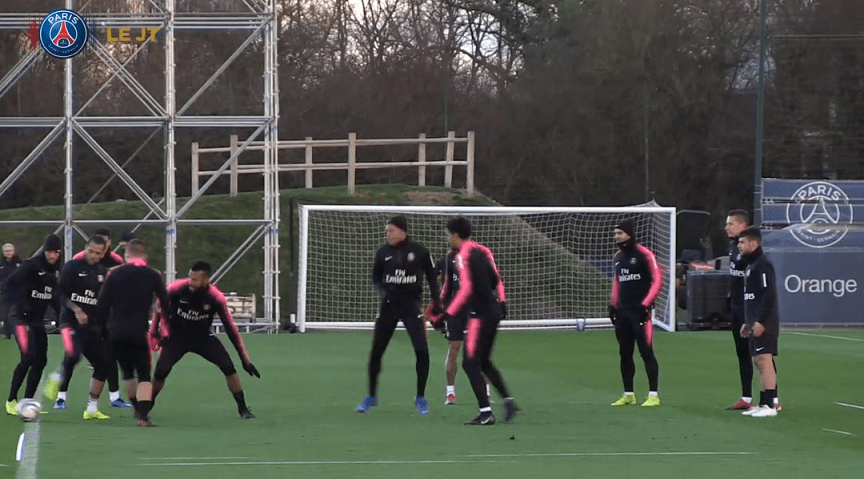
x=613 y=314
x=251 y=369
x=503 y=307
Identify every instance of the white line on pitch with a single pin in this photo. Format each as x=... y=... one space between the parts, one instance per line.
x=306 y=463
x=825 y=336
x=849 y=405
x=186 y=458
x=542 y=454
x=838 y=432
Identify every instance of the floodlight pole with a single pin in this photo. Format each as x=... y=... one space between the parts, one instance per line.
x=760 y=115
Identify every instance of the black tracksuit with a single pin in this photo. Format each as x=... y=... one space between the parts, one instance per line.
x=480 y=295
x=737 y=266
x=80 y=284
x=124 y=305
x=31 y=291
x=637 y=283
x=398 y=273
x=7 y=267
x=760 y=303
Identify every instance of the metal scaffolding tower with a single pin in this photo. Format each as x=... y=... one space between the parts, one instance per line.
x=259 y=19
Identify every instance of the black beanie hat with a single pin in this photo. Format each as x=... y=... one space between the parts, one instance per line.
x=53 y=243
x=400 y=222
x=627 y=227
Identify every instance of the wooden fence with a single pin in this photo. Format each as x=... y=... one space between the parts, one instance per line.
x=351 y=165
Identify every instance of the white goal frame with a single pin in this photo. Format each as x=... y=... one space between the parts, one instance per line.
x=664 y=316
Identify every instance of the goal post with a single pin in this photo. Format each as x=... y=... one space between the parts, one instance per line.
x=556 y=262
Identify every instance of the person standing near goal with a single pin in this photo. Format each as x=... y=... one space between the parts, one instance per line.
x=762 y=325
x=636 y=285
x=398 y=273
x=481 y=294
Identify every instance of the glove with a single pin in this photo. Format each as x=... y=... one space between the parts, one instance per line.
x=435 y=314
x=613 y=314
x=155 y=341
x=646 y=315
x=435 y=308
x=251 y=369
x=384 y=292
x=503 y=307
x=439 y=322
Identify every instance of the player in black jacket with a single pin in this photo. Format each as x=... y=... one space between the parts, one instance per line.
x=636 y=284
x=447 y=268
x=481 y=295
x=194 y=302
x=31 y=290
x=78 y=287
x=124 y=305
x=109 y=260
x=8 y=264
x=398 y=273
x=762 y=324
x=736 y=222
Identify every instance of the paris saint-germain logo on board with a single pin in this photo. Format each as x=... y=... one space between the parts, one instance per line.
x=63 y=33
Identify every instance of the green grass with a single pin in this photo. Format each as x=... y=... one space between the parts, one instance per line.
x=564 y=381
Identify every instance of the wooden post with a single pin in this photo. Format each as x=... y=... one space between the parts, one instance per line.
x=308 y=162
x=194 y=167
x=234 y=148
x=421 y=158
x=352 y=161
x=469 y=175
x=448 y=170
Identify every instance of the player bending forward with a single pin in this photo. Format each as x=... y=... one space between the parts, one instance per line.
x=193 y=302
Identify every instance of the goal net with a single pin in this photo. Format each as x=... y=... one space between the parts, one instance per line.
x=556 y=263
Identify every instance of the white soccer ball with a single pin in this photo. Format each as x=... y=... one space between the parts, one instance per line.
x=29 y=409
x=580 y=324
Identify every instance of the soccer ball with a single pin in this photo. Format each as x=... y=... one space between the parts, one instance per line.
x=29 y=409
x=580 y=324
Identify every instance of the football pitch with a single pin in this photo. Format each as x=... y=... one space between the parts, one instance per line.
x=563 y=381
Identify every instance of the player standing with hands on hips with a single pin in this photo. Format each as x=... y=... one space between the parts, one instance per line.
x=762 y=324
x=398 y=273
x=635 y=287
